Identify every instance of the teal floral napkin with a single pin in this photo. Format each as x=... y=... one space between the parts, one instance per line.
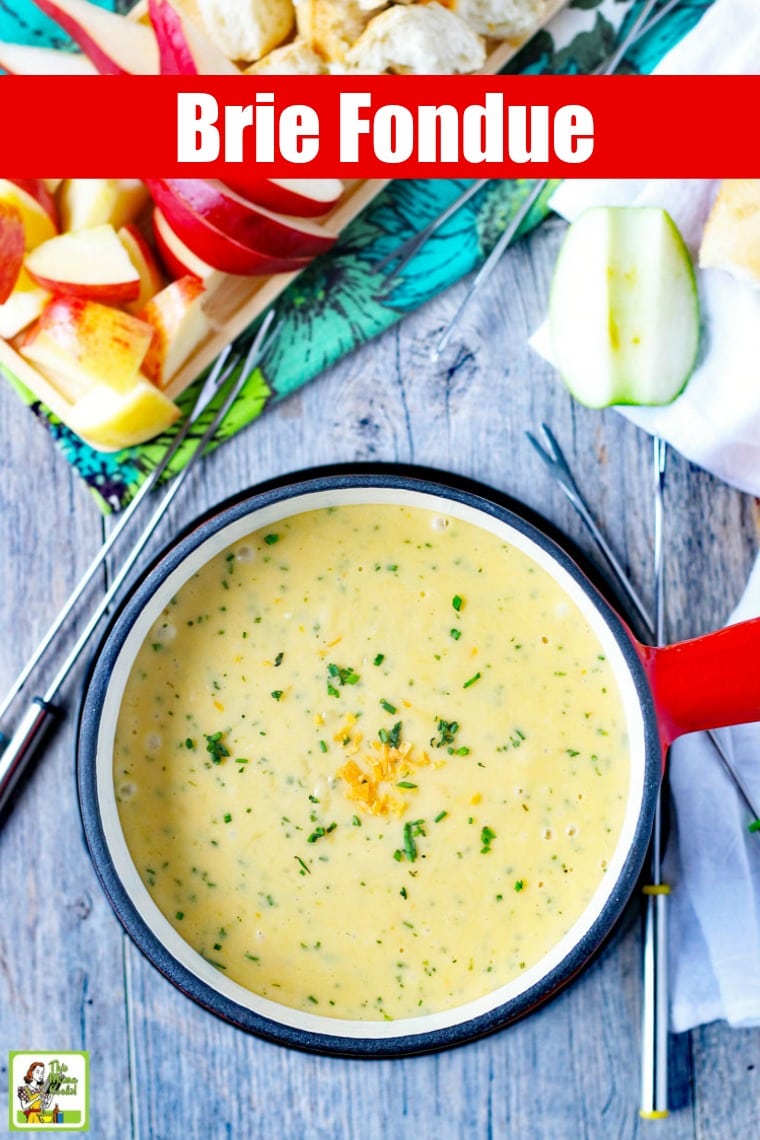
x=338 y=303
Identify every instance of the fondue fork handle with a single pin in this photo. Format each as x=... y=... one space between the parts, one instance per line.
x=213 y=382
x=25 y=741
x=654 y=1028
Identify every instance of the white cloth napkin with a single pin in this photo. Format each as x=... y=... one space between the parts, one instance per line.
x=712 y=861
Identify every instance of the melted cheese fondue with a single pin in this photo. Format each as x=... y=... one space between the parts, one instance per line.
x=372 y=762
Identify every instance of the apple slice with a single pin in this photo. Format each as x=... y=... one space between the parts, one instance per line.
x=179 y=323
x=88 y=263
x=278 y=235
x=211 y=245
x=184 y=49
x=115 y=44
x=24 y=305
x=36 y=206
x=144 y=261
x=26 y=59
x=12 y=242
x=623 y=311
x=178 y=259
x=111 y=421
x=302 y=197
x=77 y=343
x=86 y=202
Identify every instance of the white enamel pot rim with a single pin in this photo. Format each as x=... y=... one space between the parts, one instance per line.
x=155 y=936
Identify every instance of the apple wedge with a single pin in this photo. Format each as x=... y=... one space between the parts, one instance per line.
x=77 y=343
x=179 y=325
x=111 y=420
x=26 y=59
x=12 y=247
x=144 y=262
x=623 y=311
x=88 y=263
x=87 y=202
x=36 y=206
x=178 y=259
x=115 y=44
x=211 y=245
x=278 y=235
x=185 y=49
x=301 y=197
x=24 y=305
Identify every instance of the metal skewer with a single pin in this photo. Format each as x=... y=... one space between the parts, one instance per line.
x=213 y=382
x=41 y=711
x=506 y=238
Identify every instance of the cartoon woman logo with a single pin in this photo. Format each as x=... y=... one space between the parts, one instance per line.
x=34 y=1094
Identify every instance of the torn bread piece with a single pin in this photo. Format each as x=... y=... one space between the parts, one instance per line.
x=296 y=58
x=419 y=39
x=731 y=240
x=330 y=26
x=512 y=20
x=247 y=29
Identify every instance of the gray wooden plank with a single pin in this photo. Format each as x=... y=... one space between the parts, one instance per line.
x=60 y=946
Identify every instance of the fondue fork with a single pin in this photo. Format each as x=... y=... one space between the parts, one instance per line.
x=556 y=463
x=654 y=1018
x=404 y=253
x=22 y=745
x=211 y=386
x=654 y=1050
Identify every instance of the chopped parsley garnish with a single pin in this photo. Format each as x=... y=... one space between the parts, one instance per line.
x=320 y=832
x=457 y=602
x=379 y=659
x=486 y=838
x=277 y=694
x=304 y=869
x=472 y=680
x=389 y=708
x=405 y=784
x=447 y=730
x=189 y=743
x=322 y=746
x=337 y=675
x=215 y=747
x=754 y=826
x=227 y=817
x=441 y=815
x=520 y=885
x=455 y=633
x=278 y=659
x=179 y=915
x=271 y=539
x=392 y=736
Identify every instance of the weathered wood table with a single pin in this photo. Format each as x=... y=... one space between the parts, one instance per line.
x=69 y=978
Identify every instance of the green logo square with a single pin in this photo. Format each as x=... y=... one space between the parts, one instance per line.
x=49 y=1091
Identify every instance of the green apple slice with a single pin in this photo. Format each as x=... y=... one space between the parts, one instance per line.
x=624 y=310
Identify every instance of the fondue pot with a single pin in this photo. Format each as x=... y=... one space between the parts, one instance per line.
x=703 y=683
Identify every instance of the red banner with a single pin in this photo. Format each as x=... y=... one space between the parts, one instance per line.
x=380 y=126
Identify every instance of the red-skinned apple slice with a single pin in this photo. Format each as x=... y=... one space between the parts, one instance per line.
x=183 y=48
x=144 y=261
x=89 y=263
x=301 y=197
x=213 y=246
x=115 y=44
x=178 y=259
x=277 y=235
x=36 y=205
x=179 y=325
x=12 y=244
x=26 y=59
x=23 y=306
x=79 y=343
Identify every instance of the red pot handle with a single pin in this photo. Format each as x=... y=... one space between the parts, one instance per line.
x=706 y=682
